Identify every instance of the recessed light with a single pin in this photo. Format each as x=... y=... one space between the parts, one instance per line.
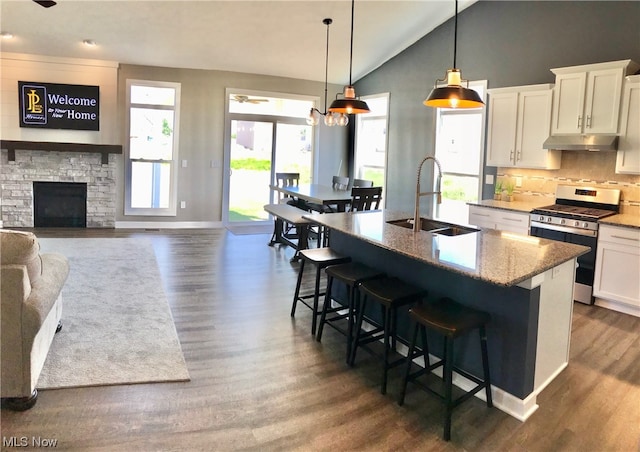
x=6 y=35
x=89 y=42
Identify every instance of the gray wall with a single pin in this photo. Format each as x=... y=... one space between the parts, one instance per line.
x=507 y=43
x=202 y=133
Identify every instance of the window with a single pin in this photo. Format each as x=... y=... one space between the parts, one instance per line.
x=459 y=138
x=371 y=141
x=152 y=151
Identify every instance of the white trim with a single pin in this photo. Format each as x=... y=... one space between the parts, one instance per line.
x=59 y=60
x=170 y=211
x=615 y=306
x=169 y=225
x=521 y=409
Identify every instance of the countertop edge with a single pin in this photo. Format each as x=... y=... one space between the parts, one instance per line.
x=452 y=267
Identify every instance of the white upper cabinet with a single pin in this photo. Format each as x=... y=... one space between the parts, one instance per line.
x=518 y=124
x=628 y=158
x=587 y=98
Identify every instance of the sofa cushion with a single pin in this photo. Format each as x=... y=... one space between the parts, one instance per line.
x=18 y=247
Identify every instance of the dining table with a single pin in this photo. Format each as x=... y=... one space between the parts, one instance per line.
x=318 y=194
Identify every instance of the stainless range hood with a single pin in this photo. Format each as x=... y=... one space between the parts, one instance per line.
x=582 y=143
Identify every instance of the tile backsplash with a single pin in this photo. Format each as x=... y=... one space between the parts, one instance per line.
x=594 y=169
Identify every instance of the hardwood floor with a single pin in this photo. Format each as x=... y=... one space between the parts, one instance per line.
x=260 y=381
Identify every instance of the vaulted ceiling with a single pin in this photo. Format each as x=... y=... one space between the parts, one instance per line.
x=282 y=38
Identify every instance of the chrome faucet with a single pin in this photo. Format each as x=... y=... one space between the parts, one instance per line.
x=416 y=212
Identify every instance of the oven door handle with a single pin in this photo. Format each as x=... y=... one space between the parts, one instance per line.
x=567 y=229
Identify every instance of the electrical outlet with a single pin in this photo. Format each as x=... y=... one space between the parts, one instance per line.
x=519 y=181
x=555 y=271
x=183 y=204
x=184 y=163
x=488 y=179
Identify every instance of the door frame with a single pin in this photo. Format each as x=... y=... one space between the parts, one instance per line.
x=226 y=165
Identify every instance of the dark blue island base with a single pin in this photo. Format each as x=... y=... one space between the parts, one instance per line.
x=530 y=327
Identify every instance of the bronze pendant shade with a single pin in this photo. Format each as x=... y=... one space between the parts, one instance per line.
x=349 y=104
x=454 y=95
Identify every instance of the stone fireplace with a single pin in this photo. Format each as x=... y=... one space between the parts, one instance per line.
x=19 y=171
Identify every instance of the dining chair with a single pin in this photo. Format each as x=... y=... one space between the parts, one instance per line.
x=365 y=198
x=340 y=183
x=288 y=180
x=362 y=183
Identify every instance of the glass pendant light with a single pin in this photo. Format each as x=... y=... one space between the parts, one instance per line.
x=454 y=95
x=313 y=119
x=349 y=104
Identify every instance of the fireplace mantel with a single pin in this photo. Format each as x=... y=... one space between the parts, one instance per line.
x=104 y=149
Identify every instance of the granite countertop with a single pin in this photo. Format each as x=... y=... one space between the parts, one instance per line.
x=628 y=220
x=517 y=206
x=497 y=257
x=625 y=219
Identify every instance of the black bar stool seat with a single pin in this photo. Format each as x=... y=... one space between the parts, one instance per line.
x=351 y=274
x=321 y=258
x=391 y=294
x=451 y=320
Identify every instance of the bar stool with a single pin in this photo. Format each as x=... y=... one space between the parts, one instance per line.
x=351 y=275
x=452 y=320
x=391 y=294
x=321 y=258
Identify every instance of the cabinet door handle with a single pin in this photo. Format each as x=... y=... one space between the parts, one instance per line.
x=519 y=155
x=625 y=238
x=481 y=214
x=589 y=121
x=512 y=219
x=511 y=157
x=579 y=121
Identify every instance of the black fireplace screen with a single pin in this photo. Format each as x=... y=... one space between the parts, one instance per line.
x=60 y=204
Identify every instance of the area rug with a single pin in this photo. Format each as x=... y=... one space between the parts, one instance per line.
x=117 y=325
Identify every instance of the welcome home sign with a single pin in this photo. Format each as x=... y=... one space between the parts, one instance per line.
x=59 y=106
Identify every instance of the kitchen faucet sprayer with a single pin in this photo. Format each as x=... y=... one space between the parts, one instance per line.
x=416 y=212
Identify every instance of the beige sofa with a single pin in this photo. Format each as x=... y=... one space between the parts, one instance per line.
x=31 y=301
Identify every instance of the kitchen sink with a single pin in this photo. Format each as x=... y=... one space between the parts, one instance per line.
x=434 y=226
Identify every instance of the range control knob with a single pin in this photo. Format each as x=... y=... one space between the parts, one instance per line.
x=577 y=224
x=541 y=218
x=562 y=221
x=548 y=219
x=586 y=225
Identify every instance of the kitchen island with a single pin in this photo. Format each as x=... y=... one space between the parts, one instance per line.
x=525 y=283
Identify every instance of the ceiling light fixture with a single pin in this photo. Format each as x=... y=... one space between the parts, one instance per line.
x=330 y=119
x=89 y=42
x=349 y=104
x=454 y=95
x=6 y=35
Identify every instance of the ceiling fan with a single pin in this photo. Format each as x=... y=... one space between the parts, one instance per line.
x=241 y=98
x=45 y=3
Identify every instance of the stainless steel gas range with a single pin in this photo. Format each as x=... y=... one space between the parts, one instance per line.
x=574 y=219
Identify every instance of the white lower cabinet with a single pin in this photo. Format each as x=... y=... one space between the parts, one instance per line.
x=503 y=220
x=617 y=275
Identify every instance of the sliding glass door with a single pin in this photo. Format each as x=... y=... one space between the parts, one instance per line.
x=266 y=135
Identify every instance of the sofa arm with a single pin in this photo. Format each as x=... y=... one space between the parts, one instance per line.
x=45 y=291
x=14 y=289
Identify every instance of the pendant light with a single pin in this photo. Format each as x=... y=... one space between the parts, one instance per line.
x=330 y=119
x=349 y=104
x=454 y=95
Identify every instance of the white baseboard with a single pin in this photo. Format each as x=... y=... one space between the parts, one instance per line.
x=168 y=224
x=515 y=407
x=620 y=307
